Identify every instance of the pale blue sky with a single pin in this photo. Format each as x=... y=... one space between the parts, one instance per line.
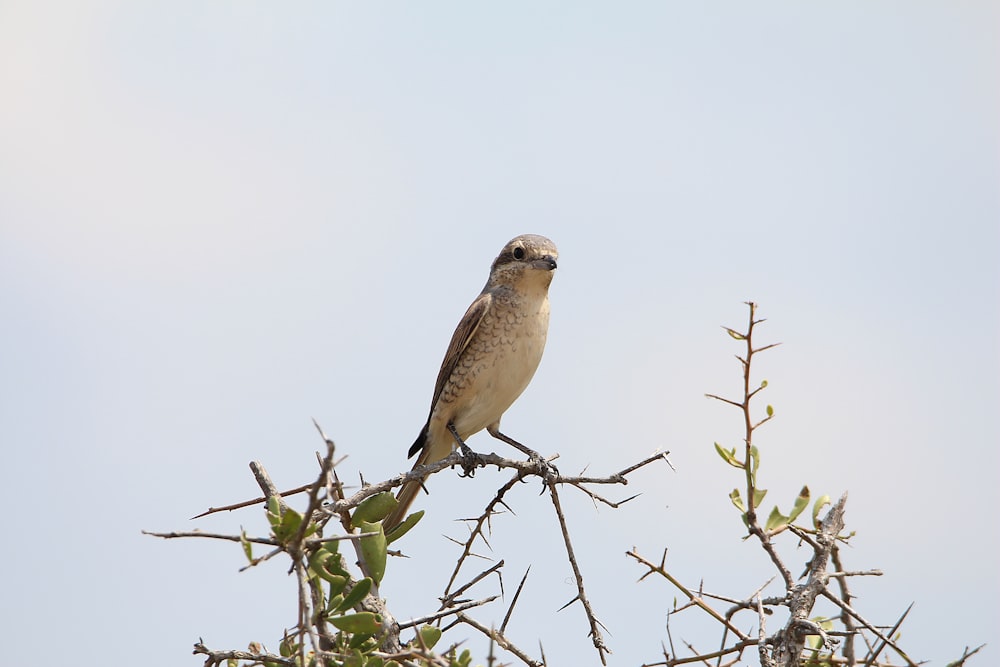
x=220 y=220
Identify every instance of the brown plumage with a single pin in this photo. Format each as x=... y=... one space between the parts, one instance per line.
x=492 y=356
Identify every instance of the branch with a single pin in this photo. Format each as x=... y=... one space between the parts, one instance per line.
x=581 y=594
x=501 y=641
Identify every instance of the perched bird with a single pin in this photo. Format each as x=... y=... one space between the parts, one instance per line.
x=492 y=357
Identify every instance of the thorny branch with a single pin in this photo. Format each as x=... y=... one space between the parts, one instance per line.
x=482 y=522
x=802 y=639
x=313 y=636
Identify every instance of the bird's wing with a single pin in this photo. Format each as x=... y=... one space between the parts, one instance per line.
x=464 y=332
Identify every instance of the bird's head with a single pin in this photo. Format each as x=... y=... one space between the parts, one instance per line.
x=527 y=258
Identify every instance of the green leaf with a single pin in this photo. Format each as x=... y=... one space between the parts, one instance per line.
x=359 y=591
x=363 y=621
x=374 y=508
x=374 y=549
x=335 y=601
x=287 y=647
x=755 y=457
x=729 y=456
x=820 y=503
x=737 y=500
x=775 y=520
x=354 y=659
x=801 y=502
x=273 y=511
x=375 y=661
x=736 y=335
x=404 y=527
x=247 y=545
x=288 y=525
x=326 y=566
x=358 y=640
x=763 y=384
x=429 y=635
x=758 y=497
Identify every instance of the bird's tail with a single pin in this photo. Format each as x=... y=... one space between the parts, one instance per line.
x=405 y=498
x=408 y=493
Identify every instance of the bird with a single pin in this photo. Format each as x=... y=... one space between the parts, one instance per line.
x=492 y=357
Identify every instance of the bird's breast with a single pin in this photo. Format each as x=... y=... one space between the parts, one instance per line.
x=496 y=366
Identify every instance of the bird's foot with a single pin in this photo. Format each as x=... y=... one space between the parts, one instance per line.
x=543 y=468
x=470 y=461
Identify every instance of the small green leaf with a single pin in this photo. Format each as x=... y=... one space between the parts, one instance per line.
x=728 y=455
x=273 y=511
x=429 y=635
x=755 y=457
x=736 y=335
x=354 y=659
x=818 y=506
x=374 y=508
x=404 y=527
x=373 y=549
x=801 y=502
x=763 y=384
x=335 y=601
x=337 y=583
x=758 y=497
x=358 y=640
x=770 y=411
x=363 y=621
x=737 y=500
x=359 y=591
x=247 y=545
x=287 y=526
x=775 y=520
x=327 y=567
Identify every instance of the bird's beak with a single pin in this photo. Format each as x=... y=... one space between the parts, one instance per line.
x=546 y=263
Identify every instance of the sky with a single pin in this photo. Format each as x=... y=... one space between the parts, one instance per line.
x=219 y=221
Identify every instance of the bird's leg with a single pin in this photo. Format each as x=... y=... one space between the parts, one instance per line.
x=545 y=469
x=470 y=459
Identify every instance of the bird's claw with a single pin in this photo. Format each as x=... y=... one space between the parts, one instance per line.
x=470 y=461
x=544 y=469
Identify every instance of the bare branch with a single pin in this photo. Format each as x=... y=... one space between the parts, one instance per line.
x=501 y=641
x=422 y=620
x=595 y=625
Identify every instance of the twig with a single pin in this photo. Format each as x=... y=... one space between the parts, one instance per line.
x=517 y=594
x=871 y=628
x=874 y=656
x=213 y=536
x=477 y=531
x=595 y=625
x=218 y=657
x=248 y=503
x=845 y=595
x=765 y=659
x=501 y=641
x=447 y=612
x=695 y=599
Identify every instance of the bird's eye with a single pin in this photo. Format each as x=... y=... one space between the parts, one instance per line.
x=518 y=252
